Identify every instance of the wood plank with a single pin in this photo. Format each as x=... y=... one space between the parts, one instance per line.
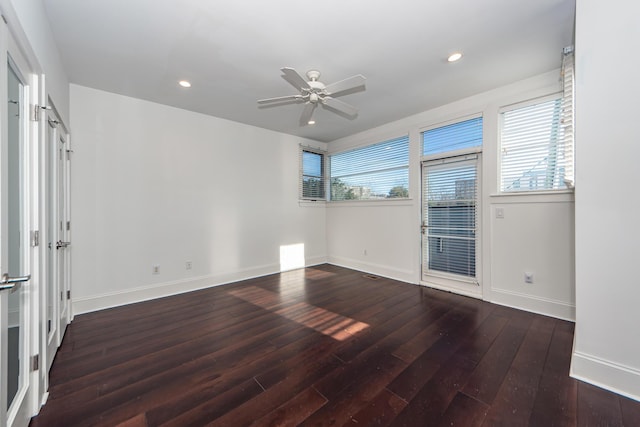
x=464 y=411
x=486 y=379
x=514 y=401
x=557 y=395
x=292 y=348
x=598 y=407
x=294 y=411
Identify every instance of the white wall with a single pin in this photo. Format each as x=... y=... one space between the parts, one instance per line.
x=536 y=234
x=159 y=185
x=607 y=347
x=34 y=25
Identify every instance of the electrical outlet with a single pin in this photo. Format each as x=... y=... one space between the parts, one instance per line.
x=155 y=269
x=528 y=277
x=188 y=265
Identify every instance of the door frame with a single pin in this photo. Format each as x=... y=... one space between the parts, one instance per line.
x=55 y=210
x=471 y=287
x=12 y=53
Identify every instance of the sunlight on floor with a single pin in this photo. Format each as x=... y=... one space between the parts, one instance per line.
x=324 y=321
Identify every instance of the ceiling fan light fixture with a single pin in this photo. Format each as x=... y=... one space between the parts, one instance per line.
x=454 y=57
x=184 y=83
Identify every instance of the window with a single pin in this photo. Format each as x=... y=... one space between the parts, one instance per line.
x=533 y=147
x=312 y=174
x=379 y=171
x=453 y=137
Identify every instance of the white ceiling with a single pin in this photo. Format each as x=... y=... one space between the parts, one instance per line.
x=232 y=52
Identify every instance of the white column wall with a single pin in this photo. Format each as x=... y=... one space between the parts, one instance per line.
x=607 y=347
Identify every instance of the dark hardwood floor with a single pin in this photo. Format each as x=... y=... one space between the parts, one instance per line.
x=322 y=346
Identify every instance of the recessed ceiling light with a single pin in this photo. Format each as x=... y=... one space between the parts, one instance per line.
x=454 y=57
x=184 y=83
x=311 y=122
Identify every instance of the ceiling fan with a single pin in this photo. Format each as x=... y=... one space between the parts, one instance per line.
x=314 y=92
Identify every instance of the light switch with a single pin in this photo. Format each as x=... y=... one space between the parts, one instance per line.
x=500 y=213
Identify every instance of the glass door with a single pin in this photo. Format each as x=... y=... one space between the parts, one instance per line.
x=449 y=222
x=15 y=286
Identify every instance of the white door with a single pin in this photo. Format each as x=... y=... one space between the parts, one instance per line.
x=15 y=253
x=57 y=312
x=449 y=224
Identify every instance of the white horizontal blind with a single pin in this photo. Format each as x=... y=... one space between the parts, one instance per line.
x=450 y=190
x=453 y=137
x=568 y=115
x=378 y=171
x=533 y=148
x=312 y=174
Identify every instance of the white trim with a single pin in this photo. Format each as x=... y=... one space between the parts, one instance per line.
x=400 y=201
x=531 y=101
x=535 y=304
x=456 y=288
x=444 y=123
x=389 y=272
x=608 y=375
x=160 y=290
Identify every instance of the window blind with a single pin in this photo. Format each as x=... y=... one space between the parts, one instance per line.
x=453 y=137
x=533 y=148
x=378 y=171
x=450 y=216
x=568 y=115
x=312 y=173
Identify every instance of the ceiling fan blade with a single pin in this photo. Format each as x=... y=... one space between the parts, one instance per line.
x=295 y=79
x=307 y=113
x=280 y=99
x=340 y=106
x=346 y=84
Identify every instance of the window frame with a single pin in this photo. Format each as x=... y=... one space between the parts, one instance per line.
x=301 y=175
x=407 y=139
x=555 y=96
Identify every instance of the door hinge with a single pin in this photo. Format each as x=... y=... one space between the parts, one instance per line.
x=35 y=362
x=35 y=111
x=68 y=225
x=35 y=238
x=69 y=294
x=69 y=153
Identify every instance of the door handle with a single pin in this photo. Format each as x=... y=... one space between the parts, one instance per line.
x=12 y=283
x=61 y=244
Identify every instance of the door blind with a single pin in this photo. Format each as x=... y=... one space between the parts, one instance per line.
x=450 y=215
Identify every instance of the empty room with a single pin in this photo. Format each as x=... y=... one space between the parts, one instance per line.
x=282 y=213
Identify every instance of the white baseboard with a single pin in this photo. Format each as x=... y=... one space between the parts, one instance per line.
x=548 y=307
x=607 y=375
x=159 y=290
x=379 y=270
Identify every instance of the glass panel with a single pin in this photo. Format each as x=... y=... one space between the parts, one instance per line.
x=379 y=171
x=532 y=148
x=450 y=216
x=457 y=136
x=16 y=327
x=312 y=175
